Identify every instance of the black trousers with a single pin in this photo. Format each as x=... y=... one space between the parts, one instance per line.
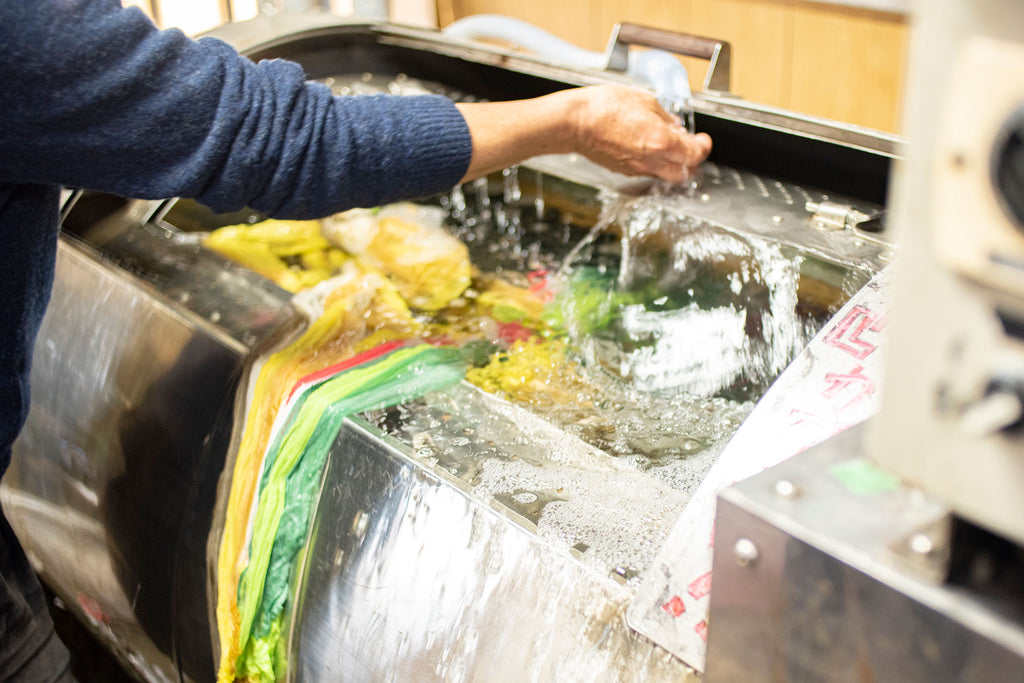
x=30 y=650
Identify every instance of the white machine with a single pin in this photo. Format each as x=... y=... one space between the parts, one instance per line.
x=894 y=551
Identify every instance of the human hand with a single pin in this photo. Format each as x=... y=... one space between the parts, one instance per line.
x=620 y=127
x=626 y=130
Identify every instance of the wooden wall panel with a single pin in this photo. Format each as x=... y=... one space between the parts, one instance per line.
x=674 y=15
x=573 y=20
x=761 y=35
x=848 y=64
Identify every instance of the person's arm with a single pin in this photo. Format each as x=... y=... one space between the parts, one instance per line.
x=96 y=97
x=621 y=128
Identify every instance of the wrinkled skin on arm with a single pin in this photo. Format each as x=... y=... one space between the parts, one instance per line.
x=619 y=127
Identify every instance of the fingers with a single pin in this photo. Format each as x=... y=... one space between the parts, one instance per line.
x=626 y=130
x=703 y=144
x=673 y=173
x=662 y=113
x=675 y=163
x=667 y=150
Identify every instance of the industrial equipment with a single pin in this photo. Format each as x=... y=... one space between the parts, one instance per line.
x=893 y=551
x=459 y=535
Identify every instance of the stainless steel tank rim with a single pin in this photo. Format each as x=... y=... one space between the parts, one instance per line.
x=92 y=259
x=728 y=107
x=789 y=225
x=807 y=126
x=731 y=107
x=523 y=525
x=506 y=59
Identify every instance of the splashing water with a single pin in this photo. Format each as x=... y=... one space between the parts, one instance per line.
x=674 y=327
x=683 y=305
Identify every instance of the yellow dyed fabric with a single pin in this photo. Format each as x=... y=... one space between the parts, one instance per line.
x=364 y=307
x=291 y=253
x=428 y=266
x=534 y=372
x=509 y=303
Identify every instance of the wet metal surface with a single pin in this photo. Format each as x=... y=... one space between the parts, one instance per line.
x=831 y=595
x=408 y=575
x=410 y=578
x=110 y=488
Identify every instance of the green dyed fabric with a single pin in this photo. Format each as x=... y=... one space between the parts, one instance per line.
x=588 y=302
x=291 y=482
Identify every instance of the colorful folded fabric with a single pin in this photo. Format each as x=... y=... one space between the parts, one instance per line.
x=292 y=475
x=359 y=307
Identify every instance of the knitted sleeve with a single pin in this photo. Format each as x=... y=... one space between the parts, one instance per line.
x=95 y=97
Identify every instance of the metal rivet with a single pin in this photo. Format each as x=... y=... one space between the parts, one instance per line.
x=922 y=544
x=745 y=552
x=784 y=488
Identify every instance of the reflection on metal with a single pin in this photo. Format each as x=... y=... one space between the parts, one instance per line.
x=925 y=552
x=114 y=488
x=748 y=203
x=834 y=216
x=111 y=482
x=67 y=200
x=717 y=52
x=830 y=386
x=239 y=305
x=811 y=127
x=410 y=578
x=832 y=596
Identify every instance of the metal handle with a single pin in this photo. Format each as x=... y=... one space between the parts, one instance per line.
x=718 y=52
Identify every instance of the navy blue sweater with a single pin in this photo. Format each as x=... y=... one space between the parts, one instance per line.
x=93 y=96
